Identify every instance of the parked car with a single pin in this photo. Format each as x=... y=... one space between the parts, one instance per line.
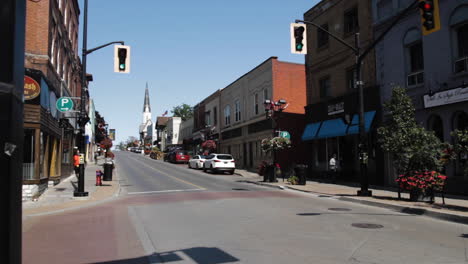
x=196 y=162
x=219 y=163
x=179 y=156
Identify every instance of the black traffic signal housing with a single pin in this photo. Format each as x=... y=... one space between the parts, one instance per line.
x=121 y=59
x=429 y=16
x=122 y=54
x=298 y=38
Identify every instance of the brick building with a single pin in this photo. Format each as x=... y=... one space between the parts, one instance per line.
x=52 y=70
x=332 y=93
x=243 y=123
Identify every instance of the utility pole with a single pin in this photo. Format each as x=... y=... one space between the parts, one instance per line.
x=83 y=116
x=12 y=30
x=360 y=55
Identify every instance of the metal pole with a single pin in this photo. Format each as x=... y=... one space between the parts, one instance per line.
x=362 y=132
x=81 y=190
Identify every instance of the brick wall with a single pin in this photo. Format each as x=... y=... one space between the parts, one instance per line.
x=289 y=84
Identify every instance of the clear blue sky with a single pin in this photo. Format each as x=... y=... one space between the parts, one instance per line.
x=185 y=50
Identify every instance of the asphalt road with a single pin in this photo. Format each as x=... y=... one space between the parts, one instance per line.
x=168 y=213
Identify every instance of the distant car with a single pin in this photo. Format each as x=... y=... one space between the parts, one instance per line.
x=219 y=163
x=179 y=156
x=196 y=162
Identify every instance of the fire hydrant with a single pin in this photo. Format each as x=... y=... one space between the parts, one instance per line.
x=98 y=178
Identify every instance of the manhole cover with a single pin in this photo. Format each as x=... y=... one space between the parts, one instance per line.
x=324 y=196
x=339 y=209
x=60 y=189
x=239 y=189
x=367 y=225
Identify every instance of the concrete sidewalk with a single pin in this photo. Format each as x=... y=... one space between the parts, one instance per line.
x=60 y=197
x=455 y=208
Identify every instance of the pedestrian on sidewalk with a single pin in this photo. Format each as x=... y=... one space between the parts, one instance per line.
x=332 y=166
x=76 y=163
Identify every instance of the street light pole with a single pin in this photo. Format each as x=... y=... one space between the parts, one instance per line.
x=272 y=110
x=83 y=116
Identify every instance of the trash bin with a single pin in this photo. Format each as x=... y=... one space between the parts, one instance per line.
x=300 y=171
x=108 y=167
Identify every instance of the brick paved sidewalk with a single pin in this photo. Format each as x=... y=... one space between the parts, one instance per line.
x=60 y=197
x=455 y=208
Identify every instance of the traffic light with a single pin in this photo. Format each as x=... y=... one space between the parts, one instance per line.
x=429 y=16
x=121 y=58
x=298 y=38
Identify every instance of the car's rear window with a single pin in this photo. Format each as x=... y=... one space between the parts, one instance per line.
x=224 y=157
x=203 y=157
x=182 y=153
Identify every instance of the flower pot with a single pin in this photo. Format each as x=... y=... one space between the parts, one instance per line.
x=421 y=196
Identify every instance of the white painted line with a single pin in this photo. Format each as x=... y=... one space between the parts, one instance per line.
x=166 y=191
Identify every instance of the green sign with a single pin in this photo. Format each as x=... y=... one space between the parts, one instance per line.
x=285 y=134
x=64 y=104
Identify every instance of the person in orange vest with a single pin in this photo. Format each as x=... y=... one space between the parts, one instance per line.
x=76 y=162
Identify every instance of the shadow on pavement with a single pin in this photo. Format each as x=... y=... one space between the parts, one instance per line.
x=201 y=255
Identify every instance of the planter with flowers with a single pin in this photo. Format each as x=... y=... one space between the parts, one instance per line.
x=276 y=143
x=422 y=184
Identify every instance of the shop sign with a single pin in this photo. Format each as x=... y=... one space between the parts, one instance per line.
x=446 y=97
x=32 y=89
x=336 y=108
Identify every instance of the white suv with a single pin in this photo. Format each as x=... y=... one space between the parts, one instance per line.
x=219 y=163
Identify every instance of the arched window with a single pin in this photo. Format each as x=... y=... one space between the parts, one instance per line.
x=459 y=25
x=435 y=124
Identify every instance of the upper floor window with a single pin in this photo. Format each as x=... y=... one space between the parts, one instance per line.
x=351 y=78
x=414 y=58
x=208 y=118
x=265 y=95
x=256 y=104
x=351 y=22
x=227 y=115
x=322 y=36
x=215 y=116
x=459 y=27
x=324 y=85
x=238 y=110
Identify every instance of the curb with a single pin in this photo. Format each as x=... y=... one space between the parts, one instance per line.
x=402 y=209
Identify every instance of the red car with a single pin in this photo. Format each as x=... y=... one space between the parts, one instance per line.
x=179 y=156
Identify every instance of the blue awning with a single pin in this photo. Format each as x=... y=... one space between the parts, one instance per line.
x=332 y=128
x=310 y=131
x=354 y=126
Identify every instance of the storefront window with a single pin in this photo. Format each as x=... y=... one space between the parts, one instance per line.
x=28 y=154
x=460 y=122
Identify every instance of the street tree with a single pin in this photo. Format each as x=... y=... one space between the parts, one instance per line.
x=183 y=111
x=412 y=147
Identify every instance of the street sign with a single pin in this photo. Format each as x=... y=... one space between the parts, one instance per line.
x=64 y=104
x=284 y=134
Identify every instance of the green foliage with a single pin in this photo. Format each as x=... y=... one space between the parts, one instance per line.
x=183 y=111
x=276 y=143
x=293 y=180
x=461 y=145
x=413 y=148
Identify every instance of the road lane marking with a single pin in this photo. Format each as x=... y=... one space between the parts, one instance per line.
x=175 y=178
x=165 y=191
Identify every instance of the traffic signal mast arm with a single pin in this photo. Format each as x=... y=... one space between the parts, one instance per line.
x=86 y=52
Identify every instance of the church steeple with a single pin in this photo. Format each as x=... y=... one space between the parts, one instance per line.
x=147 y=102
x=146 y=106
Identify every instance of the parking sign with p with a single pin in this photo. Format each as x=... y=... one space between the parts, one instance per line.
x=64 y=104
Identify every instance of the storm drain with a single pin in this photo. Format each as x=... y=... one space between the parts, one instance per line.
x=60 y=189
x=324 y=196
x=339 y=209
x=367 y=225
